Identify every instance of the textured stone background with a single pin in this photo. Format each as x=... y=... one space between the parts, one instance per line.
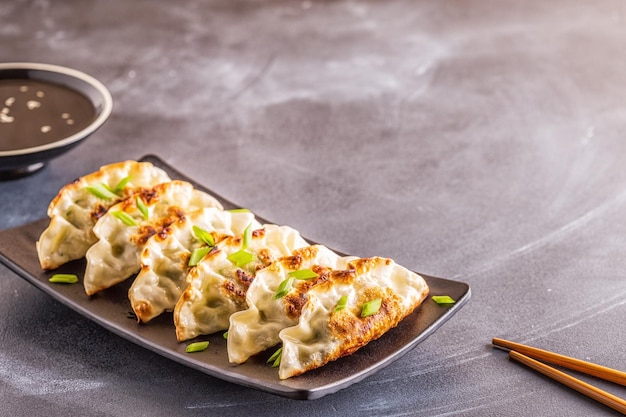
x=481 y=141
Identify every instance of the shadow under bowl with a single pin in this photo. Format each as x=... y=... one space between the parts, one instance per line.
x=32 y=100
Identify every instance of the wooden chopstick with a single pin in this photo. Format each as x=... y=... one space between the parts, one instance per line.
x=584 y=388
x=525 y=354
x=588 y=368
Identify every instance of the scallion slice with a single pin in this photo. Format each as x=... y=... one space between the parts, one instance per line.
x=239 y=210
x=225 y=335
x=443 y=299
x=247 y=235
x=197 y=255
x=241 y=258
x=142 y=207
x=197 y=347
x=275 y=358
x=371 y=307
x=64 y=278
x=120 y=185
x=203 y=236
x=101 y=191
x=303 y=274
x=283 y=288
x=341 y=304
x=124 y=217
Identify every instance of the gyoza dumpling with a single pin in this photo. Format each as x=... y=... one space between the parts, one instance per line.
x=76 y=208
x=373 y=295
x=126 y=227
x=217 y=285
x=276 y=297
x=165 y=259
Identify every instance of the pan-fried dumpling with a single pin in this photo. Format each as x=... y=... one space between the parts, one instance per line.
x=76 y=208
x=276 y=297
x=335 y=321
x=165 y=260
x=218 y=284
x=126 y=227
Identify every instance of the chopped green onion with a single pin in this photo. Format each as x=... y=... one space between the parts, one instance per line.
x=241 y=258
x=276 y=357
x=341 y=304
x=239 y=210
x=197 y=255
x=196 y=347
x=247 y=235
x=120 y=185
x=142 y=207
x=371 y=307
x=101 y=191
x=225 y=335
x=203 y=235
x=283 y=288
x=443 y=299
x=64 y=278
x=303 y=274
x=124 y=218
x=276 y=363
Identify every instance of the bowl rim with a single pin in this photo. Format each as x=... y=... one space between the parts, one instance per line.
x=102 y=116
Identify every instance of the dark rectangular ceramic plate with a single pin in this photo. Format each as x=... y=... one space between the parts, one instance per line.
x=112 y=310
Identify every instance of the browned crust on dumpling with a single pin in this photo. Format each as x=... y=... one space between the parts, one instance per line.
x=93 y=178
x=142 y=309
x=357 y=331
x=162 y=227
x=234 y=292
x=295 y=300
x=348 y=326
x=299 y=257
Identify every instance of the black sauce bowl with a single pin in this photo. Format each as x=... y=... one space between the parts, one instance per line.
x=21 y=162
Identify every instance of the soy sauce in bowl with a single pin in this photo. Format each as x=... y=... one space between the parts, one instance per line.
x=34 y=113
x=45 y=110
